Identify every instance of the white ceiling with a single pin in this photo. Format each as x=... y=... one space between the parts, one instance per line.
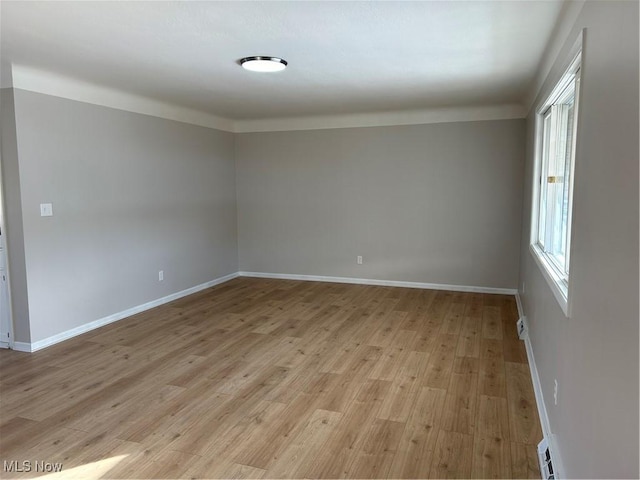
x=344 y=57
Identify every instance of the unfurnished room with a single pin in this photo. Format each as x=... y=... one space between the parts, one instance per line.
x=319 y=239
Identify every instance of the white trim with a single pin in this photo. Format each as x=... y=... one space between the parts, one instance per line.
x=559 y=285
x=46 y=342
x=40 y=81
x=4 y=253
x=568 y=17
x=542 y=411
x=384 y=283
x=566 y=79
x=521 y=318
x=519 y=305
x=34 y=80
x=22 y=347
x=537 y=390
x=555 y=282
x=381 y=119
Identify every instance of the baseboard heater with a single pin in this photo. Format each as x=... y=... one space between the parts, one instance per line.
x=544 y=458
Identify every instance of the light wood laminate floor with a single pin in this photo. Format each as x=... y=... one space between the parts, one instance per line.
x=282 y=379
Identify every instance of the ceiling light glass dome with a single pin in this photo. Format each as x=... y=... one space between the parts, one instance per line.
x=263 y=64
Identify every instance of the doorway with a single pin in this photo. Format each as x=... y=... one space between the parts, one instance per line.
x=6 y=325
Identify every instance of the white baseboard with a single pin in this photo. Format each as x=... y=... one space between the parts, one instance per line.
x=46 y=342
x=22 y=347
x=384 y=283
x=537 y=390
x=519 y=304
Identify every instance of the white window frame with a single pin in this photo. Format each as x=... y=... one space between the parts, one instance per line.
x=554 y=274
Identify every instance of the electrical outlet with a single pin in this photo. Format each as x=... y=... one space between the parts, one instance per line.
x=161 y=275
x=359 y=259
x=46 y=210
x=521 y=326
x=555 y=391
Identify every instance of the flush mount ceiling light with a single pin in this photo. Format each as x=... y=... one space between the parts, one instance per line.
x=263 y=64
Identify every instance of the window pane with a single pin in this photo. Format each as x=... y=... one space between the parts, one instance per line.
x=555 y=158
x=566 y=199
x=558 y=178
x=542 y=220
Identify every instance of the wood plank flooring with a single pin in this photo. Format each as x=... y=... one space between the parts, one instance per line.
x=262 y=378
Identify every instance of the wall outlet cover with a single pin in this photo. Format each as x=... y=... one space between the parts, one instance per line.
x=46 y=210
x=522 y=328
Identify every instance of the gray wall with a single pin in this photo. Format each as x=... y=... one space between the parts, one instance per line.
x=132 y=195
x=437 y=203
x=13 y=218
x=594 y=354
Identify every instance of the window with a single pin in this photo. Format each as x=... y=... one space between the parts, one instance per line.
x=555 y=158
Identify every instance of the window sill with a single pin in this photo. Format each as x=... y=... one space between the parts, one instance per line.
x=558 y=287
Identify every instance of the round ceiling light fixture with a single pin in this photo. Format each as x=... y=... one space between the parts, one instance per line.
x=263 y=64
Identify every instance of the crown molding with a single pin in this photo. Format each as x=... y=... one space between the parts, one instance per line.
x=40 y=81
x=34 y=80
x=383 y=119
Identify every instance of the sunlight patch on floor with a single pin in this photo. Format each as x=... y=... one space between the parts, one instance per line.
x=90 y=471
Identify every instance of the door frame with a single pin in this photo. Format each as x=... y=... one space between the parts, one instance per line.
x=3 y=238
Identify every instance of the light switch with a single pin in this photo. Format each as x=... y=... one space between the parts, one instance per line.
x=46 y=210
